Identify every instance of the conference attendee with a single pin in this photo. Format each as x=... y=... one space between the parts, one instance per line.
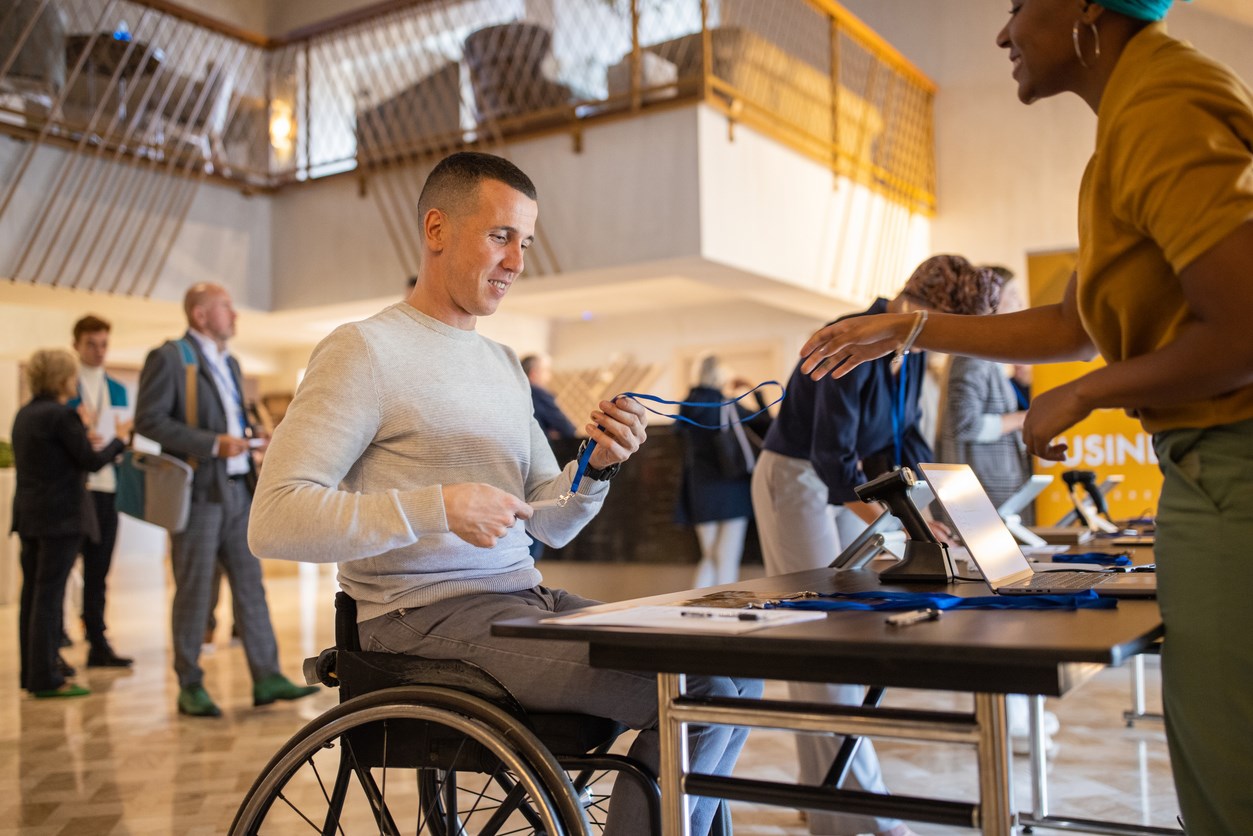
x=538 y=369
x=52 y=513
x=1162 y=290
x=427 y=459
x=828 y=438
x=552 y=421
x=103 y=403
x=714 y=493
x=981 y=426
x=981 y=422
x=205 y=424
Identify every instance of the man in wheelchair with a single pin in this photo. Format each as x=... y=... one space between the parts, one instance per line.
x=410 y=456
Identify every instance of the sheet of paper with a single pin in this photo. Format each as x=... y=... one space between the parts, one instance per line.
x=690 y=619
x=143 y=444
x=106 y=425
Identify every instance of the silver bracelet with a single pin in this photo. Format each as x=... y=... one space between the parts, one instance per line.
x=920 y=319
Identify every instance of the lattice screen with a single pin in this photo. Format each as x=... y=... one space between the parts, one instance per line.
x=580 y=391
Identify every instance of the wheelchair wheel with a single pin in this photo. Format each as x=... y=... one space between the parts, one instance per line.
x=442 y=791
x=413 y=760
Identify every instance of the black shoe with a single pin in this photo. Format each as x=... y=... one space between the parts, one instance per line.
x=67 y=670
x=101 y=655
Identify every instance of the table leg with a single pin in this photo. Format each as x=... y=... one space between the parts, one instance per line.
x=996 y=806
x=1039 y=758
x=674 y=757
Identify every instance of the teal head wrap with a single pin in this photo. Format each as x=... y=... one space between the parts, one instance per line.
x=1139 y=9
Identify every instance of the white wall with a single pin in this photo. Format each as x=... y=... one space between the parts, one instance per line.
x=666 y=337
x=225 y=237
x=1008 y=173
x=774 y=212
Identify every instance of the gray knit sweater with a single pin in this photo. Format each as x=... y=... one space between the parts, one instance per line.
x=391 y=409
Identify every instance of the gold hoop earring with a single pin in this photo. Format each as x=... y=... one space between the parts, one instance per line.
x=1096 y=42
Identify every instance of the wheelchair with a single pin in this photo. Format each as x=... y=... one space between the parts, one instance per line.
x=439 y=747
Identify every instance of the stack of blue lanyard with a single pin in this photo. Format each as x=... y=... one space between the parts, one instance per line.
x=888 y=601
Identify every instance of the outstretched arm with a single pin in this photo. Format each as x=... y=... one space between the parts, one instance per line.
x=1046 y=334
x=1210 y=355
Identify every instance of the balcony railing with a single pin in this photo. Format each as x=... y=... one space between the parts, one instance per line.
x=170 y=92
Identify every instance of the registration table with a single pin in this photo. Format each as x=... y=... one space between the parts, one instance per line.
x=989 y=653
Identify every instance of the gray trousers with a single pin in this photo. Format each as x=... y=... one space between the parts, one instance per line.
x=799 y=530
x=556 y=676
x=217 y=533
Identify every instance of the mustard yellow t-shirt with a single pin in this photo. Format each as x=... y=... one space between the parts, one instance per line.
x=1172 y=176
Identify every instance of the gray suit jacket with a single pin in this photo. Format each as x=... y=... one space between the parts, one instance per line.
x=161 y=414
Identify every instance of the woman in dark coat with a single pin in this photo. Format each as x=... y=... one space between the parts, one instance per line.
x=53 y=456
x=717 y=502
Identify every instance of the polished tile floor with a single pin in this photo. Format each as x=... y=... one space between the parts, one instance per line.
x=122 y=761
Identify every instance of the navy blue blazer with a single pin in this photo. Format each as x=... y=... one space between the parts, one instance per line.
x=53 y=457
x=844 y=426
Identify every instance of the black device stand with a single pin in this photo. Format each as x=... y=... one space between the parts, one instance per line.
x=926 y=558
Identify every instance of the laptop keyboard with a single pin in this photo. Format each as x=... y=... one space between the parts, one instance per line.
x=1064 y=580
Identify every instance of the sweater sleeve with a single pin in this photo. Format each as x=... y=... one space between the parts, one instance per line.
x=300 y=511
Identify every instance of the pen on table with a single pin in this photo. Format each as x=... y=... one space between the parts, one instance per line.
x=905 y=619
x=741 y=616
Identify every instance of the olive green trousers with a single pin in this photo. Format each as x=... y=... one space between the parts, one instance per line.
x=1204 y=554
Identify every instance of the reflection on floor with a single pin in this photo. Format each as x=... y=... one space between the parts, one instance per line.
x=121 y=761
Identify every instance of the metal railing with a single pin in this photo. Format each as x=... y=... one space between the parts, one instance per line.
x=151 y=99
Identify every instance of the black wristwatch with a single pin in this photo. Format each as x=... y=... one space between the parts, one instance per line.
x=597 y=474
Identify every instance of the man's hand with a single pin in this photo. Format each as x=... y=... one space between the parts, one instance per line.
x=1051 y=414
x=229 y=445
x=481 y=514
x=618 y=430
x=842 y=346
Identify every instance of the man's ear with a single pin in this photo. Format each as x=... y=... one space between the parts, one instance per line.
x=435 y=229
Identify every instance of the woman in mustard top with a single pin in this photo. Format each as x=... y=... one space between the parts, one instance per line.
x=1163 y=290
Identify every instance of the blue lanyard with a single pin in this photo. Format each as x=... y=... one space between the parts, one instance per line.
x=885 y=601
x=641 y=396
x=898 y=411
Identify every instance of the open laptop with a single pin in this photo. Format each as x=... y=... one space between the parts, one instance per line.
x=996 y=554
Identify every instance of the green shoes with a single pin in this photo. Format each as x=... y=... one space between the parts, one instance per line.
x=194 y=701
x=69 y=689
x=278 y=687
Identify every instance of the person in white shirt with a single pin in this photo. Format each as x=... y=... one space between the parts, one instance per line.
x=102 y=404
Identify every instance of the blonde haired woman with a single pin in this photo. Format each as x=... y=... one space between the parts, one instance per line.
x=53 y=455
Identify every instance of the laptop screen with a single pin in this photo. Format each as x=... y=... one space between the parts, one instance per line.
x=991 y=545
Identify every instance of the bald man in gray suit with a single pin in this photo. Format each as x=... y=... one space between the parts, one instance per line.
x=191 y=403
